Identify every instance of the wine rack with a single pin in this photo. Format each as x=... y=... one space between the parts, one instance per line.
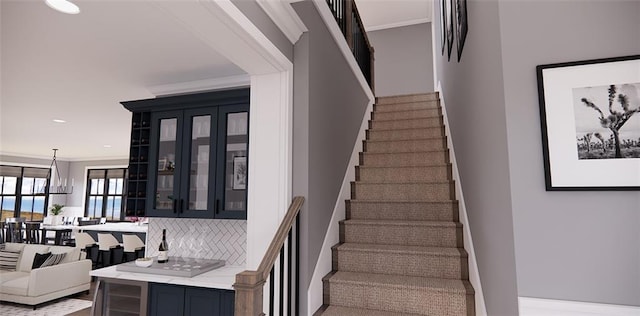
x=138 y=164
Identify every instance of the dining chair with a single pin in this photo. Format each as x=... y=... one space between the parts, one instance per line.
x=2 y=233
x=14 y=232
x=134 y=247
x=111 y=251
x=32 y=230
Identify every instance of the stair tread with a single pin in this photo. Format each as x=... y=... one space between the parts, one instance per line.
x=402 y=249
x=403 y=201
x=436 y=165
x=333 y=310
x=408 y=182
x=404 y=152
x=377 y=130
x=407 y=140
x=387 y=222
x=401 y=281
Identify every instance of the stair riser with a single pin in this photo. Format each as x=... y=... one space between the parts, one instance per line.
x=406 y=174
x=406 y=134
x=403 y=191
x=409 y=106
x=404 y=159
x=397 y=299
x=405 y=146
x=403 y=124
x=412 y=264
x=407 y=98
x=404 y=115
x=418 y=211
x=434 y=236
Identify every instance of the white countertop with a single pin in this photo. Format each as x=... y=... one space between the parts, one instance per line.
x=116 y=227
x=221 y=278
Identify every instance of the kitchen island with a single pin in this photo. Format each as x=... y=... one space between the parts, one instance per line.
x=130 y=293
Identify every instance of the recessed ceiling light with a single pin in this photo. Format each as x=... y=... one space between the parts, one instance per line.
x=59 y=121
x=63 y=6
x=106 y=146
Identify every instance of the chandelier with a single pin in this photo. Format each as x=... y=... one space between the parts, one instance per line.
x=61 y=186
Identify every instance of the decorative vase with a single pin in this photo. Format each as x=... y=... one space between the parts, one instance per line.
x=56 y=220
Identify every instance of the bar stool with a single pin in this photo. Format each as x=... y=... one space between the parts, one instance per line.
x=110 y=249
x=133 y=247
x=89 y=246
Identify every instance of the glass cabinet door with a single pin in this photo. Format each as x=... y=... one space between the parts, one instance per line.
x=233 y=145
x=199 y=163
x=165 y=160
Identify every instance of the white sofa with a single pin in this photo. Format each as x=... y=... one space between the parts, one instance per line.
x=35 y=286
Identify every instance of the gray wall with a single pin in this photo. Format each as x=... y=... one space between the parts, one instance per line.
x=329 y=105
x=582 y=246
x=473 y=91
x=403 y=60
x=263 y=22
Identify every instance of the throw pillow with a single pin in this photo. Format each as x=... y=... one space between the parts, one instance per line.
x=53 y=260
x=39 y=259
x=9 y=259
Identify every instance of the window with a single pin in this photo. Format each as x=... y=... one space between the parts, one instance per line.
x=105 y=193
x=23 y=192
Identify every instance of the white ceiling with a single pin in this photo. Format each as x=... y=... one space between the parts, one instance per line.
x=79 y=67
x=382 y=14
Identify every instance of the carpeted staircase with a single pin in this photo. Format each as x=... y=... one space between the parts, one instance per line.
x=401 y=249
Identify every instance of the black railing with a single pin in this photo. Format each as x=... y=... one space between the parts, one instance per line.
x=284 y=285
x=348 y=18
x=292 y=304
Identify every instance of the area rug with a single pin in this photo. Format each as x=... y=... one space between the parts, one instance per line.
x=60 y=308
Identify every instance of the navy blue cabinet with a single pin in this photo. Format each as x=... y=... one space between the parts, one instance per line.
x=174 y=300
x=196 y=154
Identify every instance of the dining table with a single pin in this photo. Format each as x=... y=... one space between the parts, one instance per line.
x=60 y=232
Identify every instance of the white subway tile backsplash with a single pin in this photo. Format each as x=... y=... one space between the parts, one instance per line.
x=200 y=238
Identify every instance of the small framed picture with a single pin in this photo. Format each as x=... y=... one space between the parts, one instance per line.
x=162 y=164
x=239 y=173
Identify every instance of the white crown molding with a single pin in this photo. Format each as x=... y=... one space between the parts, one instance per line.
x=201 y=85
x=397 y=24
x=284 y=17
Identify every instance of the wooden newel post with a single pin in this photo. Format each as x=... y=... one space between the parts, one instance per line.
x=348 y=11
x=248 y=287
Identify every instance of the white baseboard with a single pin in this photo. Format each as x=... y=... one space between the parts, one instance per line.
x=530 y=306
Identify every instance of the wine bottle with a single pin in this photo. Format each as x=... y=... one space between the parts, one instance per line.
x=163 y=249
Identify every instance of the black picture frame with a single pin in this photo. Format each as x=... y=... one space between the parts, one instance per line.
x=239 y=173
x=449 y=26
x=462 y=26
x=443 y=33
x=568 y=95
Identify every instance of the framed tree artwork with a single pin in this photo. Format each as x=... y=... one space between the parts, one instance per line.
x=461 y=25
x=590 y=121
x=443 y=27
x=448 y=12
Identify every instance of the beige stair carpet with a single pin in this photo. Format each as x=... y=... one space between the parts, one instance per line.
x=401 y=249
